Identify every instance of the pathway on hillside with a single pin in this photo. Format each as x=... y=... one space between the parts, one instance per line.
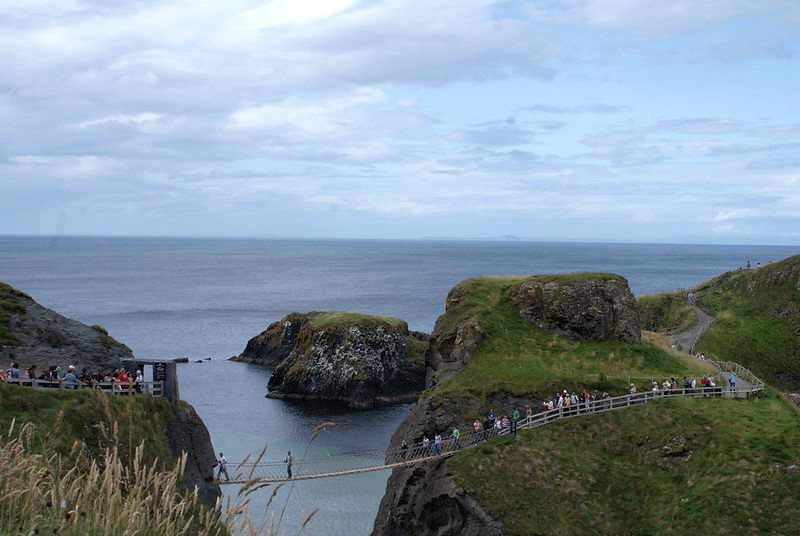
x=688 y=339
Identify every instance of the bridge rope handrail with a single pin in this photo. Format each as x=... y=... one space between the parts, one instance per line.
x=398 y=456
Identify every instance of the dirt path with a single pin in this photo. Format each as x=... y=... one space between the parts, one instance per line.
x=687 y=339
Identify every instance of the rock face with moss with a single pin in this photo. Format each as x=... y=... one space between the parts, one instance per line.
x=425 y=499
x=33 y=334
x=356 y=359
x=591 y=308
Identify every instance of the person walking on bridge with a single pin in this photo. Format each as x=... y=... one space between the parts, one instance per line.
x=223 y=467
x=289 y=461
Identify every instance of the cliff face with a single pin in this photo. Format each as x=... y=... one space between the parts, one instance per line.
x=32 y=334
x=356 y=359
x=425 y=499
x=187 y=433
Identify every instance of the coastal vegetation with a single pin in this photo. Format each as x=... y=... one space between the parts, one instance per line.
x=666 y=312
x=9 y=304
x=518 y=360
x=83 y=462
x=672 y=466
x=756 y=319
x=675 y=466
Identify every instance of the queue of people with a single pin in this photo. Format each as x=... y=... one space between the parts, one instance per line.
x=562 y=403
x=117 y=380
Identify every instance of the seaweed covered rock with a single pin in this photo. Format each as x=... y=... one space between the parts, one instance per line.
x=357 y=359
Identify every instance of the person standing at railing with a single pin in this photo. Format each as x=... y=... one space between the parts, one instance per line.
x=138 y=382
x=732 y=380
x=13 y=371
x=437 y=444
x=70 y=378
x=426 y=445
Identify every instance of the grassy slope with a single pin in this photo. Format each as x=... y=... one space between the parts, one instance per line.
x=748 y=329
x=63 y=417
x=518 y=359
x=667 y=312
x=600 y=475
x=83 y=450
x=9 y=304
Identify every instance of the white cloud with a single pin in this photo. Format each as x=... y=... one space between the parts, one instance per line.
x=122 y=119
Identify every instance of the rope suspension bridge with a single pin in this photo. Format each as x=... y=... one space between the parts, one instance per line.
x=746 y=385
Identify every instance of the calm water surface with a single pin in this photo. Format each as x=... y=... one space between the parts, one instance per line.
x=204 y=298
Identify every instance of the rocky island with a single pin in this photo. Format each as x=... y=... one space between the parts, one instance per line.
x=359 y=360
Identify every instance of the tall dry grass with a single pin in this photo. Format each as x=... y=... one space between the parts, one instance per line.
x=42 y=493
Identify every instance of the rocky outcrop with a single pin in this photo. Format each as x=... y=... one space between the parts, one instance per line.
x=355 y=359
x=36 y=335
x=594 y=309
x=275 y=343
x=187 y=433
x=425 y=499
x=33 y=334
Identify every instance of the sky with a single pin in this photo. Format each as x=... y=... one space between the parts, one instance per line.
x=594 y=120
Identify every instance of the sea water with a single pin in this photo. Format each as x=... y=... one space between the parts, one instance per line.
x=205 y=298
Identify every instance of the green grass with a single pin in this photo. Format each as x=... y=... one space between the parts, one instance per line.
x=105 y=339
x=61 y=417
x=758 y=320
x=517 y=359
x=330 y=319
x=9 y=305
x=602 y=474
x=667 y=312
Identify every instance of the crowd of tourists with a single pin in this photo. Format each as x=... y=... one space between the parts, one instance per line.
x=117 y=380
x=562 y=403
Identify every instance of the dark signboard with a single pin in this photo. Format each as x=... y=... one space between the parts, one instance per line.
x=159 y=372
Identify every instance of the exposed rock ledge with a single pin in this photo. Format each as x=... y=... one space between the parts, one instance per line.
x=356 y=359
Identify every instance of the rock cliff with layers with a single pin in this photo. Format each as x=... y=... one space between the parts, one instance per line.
x=359 y=360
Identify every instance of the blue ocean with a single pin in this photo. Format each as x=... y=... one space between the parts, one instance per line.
x=205 y=298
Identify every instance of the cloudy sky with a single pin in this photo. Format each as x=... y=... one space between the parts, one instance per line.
x=622 y=120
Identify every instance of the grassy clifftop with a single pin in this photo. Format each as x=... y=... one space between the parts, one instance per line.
x=756 y=319
x=517 y=359
x=82 y=462
x=675 y=466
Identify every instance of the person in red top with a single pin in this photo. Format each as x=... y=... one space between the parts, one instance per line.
x=123 y=380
